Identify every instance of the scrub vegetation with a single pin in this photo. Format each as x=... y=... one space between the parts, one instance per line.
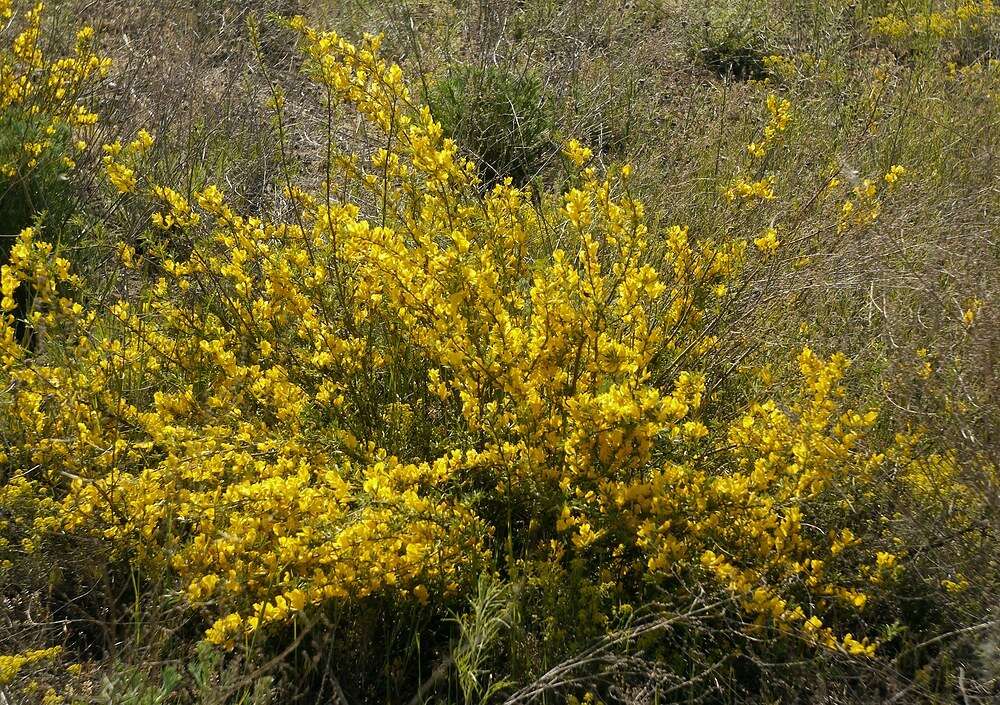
x=500 y=352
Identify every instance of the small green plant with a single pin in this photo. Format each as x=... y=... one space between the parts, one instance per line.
x=203 y=678
x=493 y=610
x=732 y=43
x=501 y=115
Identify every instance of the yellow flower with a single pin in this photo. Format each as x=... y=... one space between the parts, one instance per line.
x=972 y=308
x=894 y=174
x=768 y=241
x=121 y=177
x=577 y=153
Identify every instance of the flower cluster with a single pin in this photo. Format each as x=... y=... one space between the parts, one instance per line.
x=864 y=206
x=960 y=19
x=11 y=665
x=40 y=97
x=753 y=191
x=780 y=110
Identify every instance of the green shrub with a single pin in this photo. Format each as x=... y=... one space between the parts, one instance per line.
x=502 y=116
x=732 y=42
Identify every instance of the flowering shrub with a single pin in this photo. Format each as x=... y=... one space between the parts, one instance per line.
x=40 y=97
x=322 y=409
x=414 y=379
x=40 y=101
x=970 y=23
x=42 y=120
